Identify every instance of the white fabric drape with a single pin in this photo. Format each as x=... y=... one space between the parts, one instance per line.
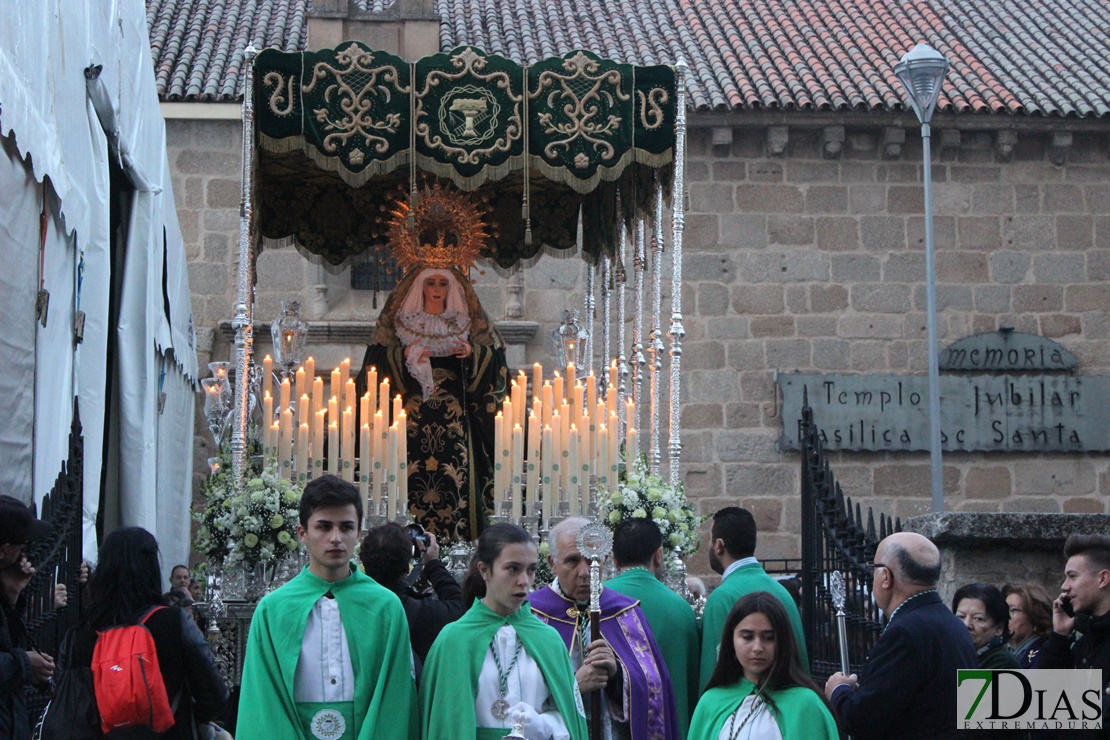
x=19 y=235
x=45 y=48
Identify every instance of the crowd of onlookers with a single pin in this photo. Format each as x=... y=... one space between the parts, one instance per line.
x=342 y=651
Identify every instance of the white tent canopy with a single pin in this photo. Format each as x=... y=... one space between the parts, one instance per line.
x=58 y=146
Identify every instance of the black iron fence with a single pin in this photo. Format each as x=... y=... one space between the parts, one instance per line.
x=56 y=560
x=835 y=537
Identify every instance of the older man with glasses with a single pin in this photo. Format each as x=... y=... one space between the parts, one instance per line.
x=908 y=688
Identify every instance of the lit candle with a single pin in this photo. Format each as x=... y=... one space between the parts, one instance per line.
x=591 y=390
x=630 y=414
x=286 y=390
x=304 y=409
x=611 y=403
x=300 y=388
x=364 y=467
x=383 y=399
x=557 y=387
x=285 y=444
x=350 y=398
x=631 y=447
x=391 y=459
x=346 y=454
x=571 y=457
x=372 y=391
x=268 y=375
x=267 y=417
x=302 y=454
x=507 y=410
x=546 y=460
x=578 y=395
x=537 y=379
x=498 y=462
x=570 y=375
x=333 y=448
x=319 y=400
x=310 y=369
x=558 y=468
x=533 y=467
x=336 y=389
x=547 y=393
x=602 y=455
x=318 y=444
x=345 y=369
x=364 y=409
x=379 y=440
x=403 y=461
x=613 y=375
x=613 y=458
x=333 y=415
x=518 y=467
x=398 y=404
x=275 y=445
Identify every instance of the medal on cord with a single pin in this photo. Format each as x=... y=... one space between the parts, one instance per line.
x=500 y=707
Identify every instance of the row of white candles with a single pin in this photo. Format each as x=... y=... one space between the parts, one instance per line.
x=566 y=440
x=297 y=435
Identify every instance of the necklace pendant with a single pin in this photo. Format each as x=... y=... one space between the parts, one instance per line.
x=500 y=708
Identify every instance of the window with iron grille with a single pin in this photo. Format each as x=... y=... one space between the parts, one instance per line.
x=375 y=270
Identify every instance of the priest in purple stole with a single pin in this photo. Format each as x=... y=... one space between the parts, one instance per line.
x=638 y=693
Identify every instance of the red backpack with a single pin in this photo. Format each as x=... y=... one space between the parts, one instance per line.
x=127 y=681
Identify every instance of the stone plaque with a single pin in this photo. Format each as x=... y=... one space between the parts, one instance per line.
x=997 y=413
x=1006 y=350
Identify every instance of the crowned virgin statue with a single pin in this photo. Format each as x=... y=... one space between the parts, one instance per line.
x=441 y=352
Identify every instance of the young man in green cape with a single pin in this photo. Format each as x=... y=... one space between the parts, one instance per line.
x=638 y=555
x=732 y=554
x=328 y=653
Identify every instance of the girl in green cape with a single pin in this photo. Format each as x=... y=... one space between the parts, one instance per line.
x=500 y=666
x=759 y=690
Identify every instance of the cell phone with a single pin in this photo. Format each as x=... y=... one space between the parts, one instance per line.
x=1066 y=607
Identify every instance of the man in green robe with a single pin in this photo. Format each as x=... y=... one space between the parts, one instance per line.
x=328 y=653
x=732 y=554
x=638 y=554
x=449 y=684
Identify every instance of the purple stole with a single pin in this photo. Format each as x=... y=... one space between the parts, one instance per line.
x=651 y=715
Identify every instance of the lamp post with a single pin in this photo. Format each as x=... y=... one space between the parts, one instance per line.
x=922 y=70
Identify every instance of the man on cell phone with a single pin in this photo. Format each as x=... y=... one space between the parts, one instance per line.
x=1081 y=618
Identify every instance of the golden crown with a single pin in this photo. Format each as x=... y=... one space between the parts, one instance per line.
x=438 y=228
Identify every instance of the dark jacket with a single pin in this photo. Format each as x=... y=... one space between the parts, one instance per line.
x=1091 y=649
x=908 y=687
x=428 y=615
x=188 y=669
x=15 y=673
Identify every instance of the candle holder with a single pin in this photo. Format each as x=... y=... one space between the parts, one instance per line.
x=507 y=513
x=288 y=332
x=530 y=524
x=564 y=508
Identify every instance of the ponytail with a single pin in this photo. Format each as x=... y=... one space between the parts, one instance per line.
x=493 y=540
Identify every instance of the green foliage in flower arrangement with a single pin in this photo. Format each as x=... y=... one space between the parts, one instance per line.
x=641 y=495
x=257 y=525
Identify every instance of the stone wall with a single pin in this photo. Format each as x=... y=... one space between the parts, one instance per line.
x=811 y=259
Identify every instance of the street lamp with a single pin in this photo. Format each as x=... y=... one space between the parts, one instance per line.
x=922 y=70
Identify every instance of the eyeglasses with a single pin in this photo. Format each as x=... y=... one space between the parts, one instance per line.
x=873 y=565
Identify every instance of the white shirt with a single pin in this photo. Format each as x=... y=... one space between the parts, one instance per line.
x=525 y=684
x=738 y=564
x=324 y=671
x=760 y=726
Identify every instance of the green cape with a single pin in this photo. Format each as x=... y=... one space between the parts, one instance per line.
x=741 y=582
x=799 y=712
x=449 y=683
x=377 y=636
x=675 y=629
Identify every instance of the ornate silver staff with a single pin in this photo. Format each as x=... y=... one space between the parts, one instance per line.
x=838 y=592
x=595 y=541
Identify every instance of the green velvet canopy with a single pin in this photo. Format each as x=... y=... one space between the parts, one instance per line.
x=343 y=133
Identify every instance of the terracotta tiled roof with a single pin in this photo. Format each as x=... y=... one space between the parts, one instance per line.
x=198 y=45
x=1039 y=58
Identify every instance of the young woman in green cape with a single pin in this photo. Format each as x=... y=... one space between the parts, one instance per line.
x=758 y=690
x=500 y=666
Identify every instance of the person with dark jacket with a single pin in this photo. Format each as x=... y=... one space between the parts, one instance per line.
x=908 y=687
x=19 y=668
x=386 y=555
x=1081 y=638
x=125 y=587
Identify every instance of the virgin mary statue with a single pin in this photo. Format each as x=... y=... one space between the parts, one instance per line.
x=439 y=349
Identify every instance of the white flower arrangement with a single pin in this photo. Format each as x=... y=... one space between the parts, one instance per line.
x=258 y=525
x=642 y=495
